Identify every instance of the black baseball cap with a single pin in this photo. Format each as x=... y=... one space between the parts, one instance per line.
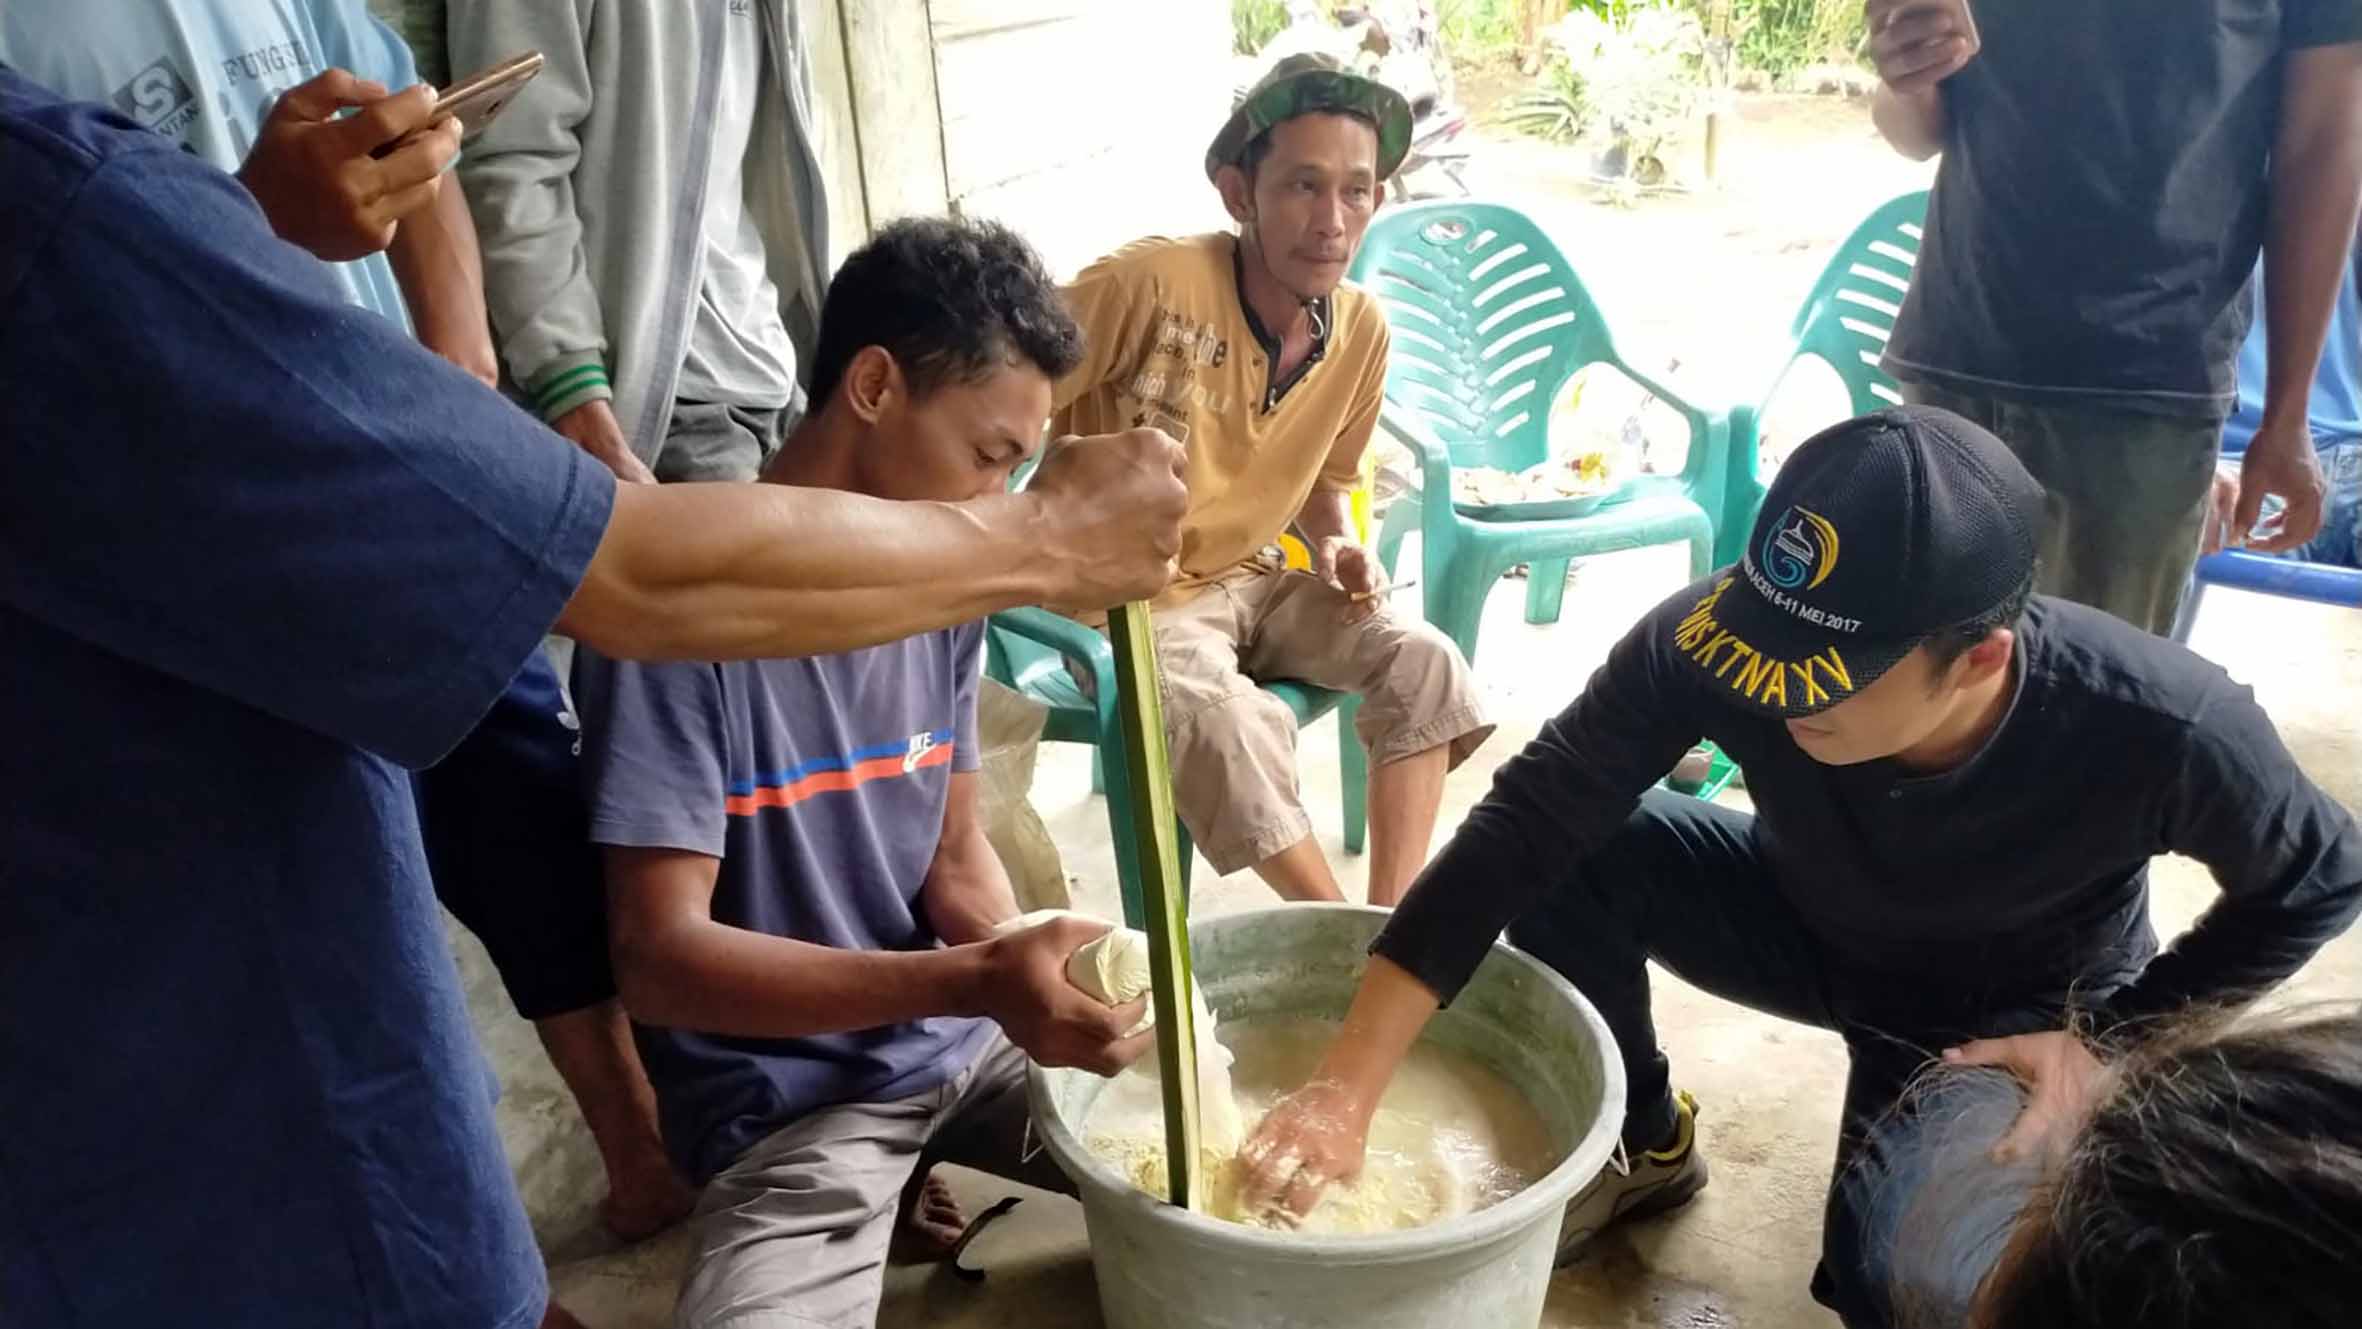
x=1875 y=534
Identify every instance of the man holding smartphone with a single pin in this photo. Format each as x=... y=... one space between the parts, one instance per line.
x=2109 y=173
x=257 y=89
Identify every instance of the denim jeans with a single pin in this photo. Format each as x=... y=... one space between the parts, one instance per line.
x=2339 y=542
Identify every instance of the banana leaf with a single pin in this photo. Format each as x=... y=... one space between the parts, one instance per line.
x=1140 y=710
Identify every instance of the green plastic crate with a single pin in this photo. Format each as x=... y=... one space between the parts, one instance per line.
x=1720 y=771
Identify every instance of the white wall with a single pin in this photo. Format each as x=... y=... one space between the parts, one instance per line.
x=1082 y=122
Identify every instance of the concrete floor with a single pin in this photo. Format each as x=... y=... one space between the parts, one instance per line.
x=1739 y=1256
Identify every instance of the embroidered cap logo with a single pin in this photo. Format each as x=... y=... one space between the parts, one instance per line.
x=1800 y=551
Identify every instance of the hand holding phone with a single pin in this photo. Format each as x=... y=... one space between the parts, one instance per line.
x=1917 y=44
x=314 y=173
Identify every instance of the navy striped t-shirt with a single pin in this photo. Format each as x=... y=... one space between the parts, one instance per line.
x=820 y=783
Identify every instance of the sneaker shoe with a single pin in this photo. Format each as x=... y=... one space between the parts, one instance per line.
x=1658 y=1181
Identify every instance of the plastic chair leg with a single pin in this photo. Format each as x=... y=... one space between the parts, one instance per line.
x=1455 y=602
x=1545 y=589
x=1401 y=519
x=1742 y=496
x=1098 y=771
x=1353 y=763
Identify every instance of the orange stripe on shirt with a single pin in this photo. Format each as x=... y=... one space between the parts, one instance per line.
x=828 y=782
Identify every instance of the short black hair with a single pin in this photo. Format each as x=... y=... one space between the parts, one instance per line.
x=1259 y=147
x=1945 y=645
x=952 y=300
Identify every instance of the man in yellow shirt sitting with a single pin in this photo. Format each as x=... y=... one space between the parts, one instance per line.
x=1254 y=353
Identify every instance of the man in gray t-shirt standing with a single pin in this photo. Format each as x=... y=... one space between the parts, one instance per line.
x=653 y=217
x=2110 y=172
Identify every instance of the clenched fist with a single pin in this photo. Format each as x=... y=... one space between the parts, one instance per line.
x=1111 y=507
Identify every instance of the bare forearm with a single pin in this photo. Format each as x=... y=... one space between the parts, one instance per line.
x=1389 y=1010
x=743 y=571
x=1913 y=123
x=1326 y=515
x=2316 y=181
x=716 y=979
x=967 y=893
x=441 y=274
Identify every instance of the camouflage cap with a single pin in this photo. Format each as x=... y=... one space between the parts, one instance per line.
x=1301 y=85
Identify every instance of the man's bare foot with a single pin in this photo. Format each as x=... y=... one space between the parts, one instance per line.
x=554 y=1316
x=646 y=1205
x=932 y=1221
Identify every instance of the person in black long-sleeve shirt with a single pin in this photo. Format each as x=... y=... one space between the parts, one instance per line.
x=1958 y=788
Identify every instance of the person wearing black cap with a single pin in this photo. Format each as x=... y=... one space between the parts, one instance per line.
x=1958 y=788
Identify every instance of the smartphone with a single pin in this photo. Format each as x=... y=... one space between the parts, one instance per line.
x=482 y=95
x=477 y=99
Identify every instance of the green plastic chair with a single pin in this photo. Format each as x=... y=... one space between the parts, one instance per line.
x=1490 y=322
x=1029 y=650
x=1844 y=323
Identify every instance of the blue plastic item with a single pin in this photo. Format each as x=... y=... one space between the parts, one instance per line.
x=2288 y=578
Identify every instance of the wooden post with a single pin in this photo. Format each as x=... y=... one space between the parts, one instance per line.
x=1532 y=17
x=897 y=133
x=1722 y=59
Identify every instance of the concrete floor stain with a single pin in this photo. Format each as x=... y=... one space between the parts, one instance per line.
x=1615 y=1287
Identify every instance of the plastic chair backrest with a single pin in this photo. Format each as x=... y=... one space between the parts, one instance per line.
x=1851 y=312
x=1027 y=666
x=1489 y=322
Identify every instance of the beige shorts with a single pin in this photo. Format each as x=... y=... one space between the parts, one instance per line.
x=1233 y=746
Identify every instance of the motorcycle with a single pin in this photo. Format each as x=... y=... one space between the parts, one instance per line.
x=1432 y=168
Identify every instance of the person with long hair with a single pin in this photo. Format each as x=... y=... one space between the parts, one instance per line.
x=2212 y=1181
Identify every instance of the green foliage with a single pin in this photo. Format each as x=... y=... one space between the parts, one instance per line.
x=1477 y=27
x=1642 y=78
x=1777 y=36
x=1489 y=27
x=1553 y=110
x=1782 y=36
x=1253 y=23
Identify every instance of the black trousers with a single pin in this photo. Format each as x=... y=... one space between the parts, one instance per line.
x=507 y=838
x=1685 y=883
